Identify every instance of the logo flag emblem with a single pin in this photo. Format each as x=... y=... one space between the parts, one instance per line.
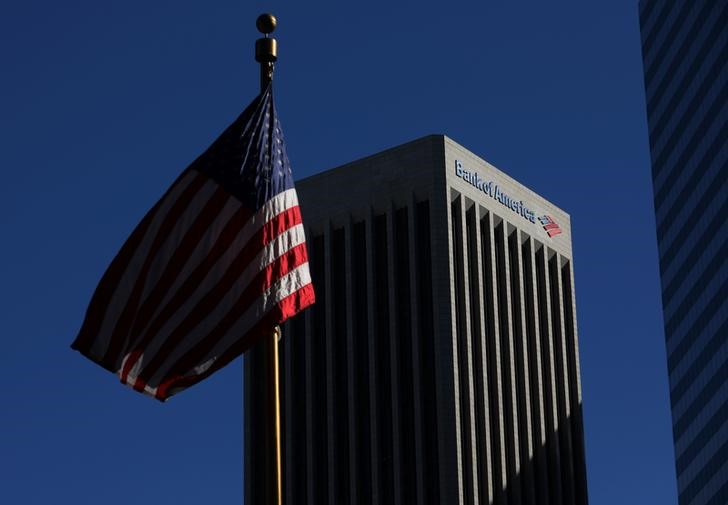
x=549 y=225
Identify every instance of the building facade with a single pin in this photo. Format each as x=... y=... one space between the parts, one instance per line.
x=440 y=363
x=685 y=55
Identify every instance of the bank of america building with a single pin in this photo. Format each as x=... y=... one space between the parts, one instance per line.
x=440 y=363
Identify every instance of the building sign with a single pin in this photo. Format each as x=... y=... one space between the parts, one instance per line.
x=495 y=192
x=550 y=225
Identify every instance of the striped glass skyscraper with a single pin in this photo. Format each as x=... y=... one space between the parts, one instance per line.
x=440 y=363
x=685 y=56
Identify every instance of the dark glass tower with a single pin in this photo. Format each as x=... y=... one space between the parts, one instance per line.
x=685 y=55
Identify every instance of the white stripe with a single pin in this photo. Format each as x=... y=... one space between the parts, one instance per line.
x=276 y=248
x=197 y=255
x=131 y=275
x=280 y=245
x=171 y=246
x=287 y=240
x=284 y=287
x=135 y=370
x=279 y=203
x=123 y=288
x=177 y=233
x=275 y=206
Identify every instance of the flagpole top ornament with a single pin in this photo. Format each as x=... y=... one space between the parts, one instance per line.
x=266 y=48
x=266 y=23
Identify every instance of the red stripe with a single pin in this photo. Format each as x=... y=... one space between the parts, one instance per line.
x=225 y=239
x=143 y=312
x=554 y=232
x=133 y=357
x=178 y=259
x=120 y=334
x=296 y=302
x=267 y=233
x=282 y=266
x=107 y=286
x=174 y=384
x=286 y=263
x=286 y=308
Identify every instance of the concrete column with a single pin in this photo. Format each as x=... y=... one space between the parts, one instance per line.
x=331 y=417
x=310 y=475
x=510 y=369
x=373 y=393
x=567 y=461
x=353 y=410
x=454 y=330
x=415 y=340
x=469 y=450
x=394 y=357
x=539 y=420
x=500 y=478
x=526 y=418
x=553 y=445
x=481 y=366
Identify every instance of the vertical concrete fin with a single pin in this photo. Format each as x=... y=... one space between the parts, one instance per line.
x=480 y=357
x=373 y=391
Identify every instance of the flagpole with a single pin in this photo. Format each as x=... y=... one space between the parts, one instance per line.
x=266 y=53
x=277 y=407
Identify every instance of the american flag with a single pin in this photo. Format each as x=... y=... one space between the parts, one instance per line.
x=213 y=266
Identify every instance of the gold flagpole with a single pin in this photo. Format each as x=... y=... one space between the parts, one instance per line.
x=266 y=53
x=277 y=406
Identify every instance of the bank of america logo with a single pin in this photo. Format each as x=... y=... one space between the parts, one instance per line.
x=549 y=225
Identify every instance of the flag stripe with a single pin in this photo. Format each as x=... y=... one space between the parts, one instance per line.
x=220 y=305
x=216 y=261
x=119 y=316
x=236 y=272
x=123 y=333
x=287 y=307
x=258 y=321
x=232 y=325
x=164 y=220
x=282 y=201
x=218 y=256
x=203 y=231
x=250 y=303
x=202 y=319
x=107 y=288
x=173 y=384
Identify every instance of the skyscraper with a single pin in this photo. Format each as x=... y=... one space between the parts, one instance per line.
x=440 y=363
x=685 y=54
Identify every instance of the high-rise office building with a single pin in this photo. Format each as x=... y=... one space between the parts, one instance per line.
x=685 y=56
x=440 y=363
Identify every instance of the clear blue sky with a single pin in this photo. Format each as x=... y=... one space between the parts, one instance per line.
x=103 y=103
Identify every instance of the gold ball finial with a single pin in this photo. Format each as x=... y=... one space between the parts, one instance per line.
x=266 y=23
